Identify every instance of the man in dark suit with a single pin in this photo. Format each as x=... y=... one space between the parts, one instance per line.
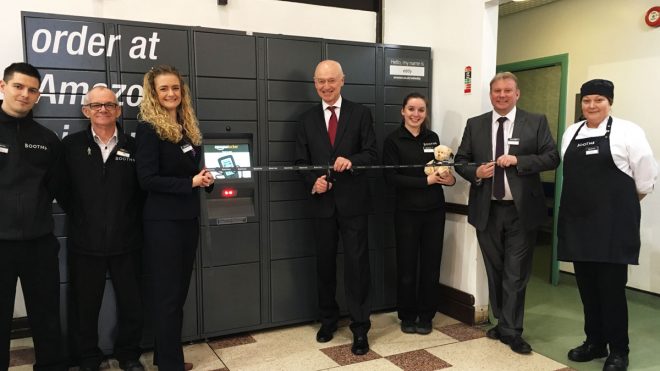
x=339 y=132
x=507 y=205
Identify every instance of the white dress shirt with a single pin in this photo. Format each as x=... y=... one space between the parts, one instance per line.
x=106 y=148
x=327 y=113
x=630 y=149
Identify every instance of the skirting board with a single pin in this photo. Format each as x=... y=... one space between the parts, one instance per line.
x=458 y=304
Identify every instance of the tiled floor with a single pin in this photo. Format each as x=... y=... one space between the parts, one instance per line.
x=451 y=345
x=553 y=325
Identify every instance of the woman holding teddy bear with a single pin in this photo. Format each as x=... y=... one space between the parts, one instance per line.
x=420 y=209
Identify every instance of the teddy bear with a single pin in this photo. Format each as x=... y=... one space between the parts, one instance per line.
x=440 y=153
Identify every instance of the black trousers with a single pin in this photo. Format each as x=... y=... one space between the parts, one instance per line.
x=170 y=248
x=507 y=248
x=419 y=238
x=36 y=263
x=602 y=289
x=357 y=278
x=87 y=275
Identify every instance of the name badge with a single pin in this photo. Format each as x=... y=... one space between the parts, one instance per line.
x=4 y=148
x=122 y=153
x=591 y=151
x=428 y=147
x=186 y=148
x=514 y=141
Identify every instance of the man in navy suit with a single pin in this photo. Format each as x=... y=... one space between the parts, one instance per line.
x=339 y=132
x=507 y=205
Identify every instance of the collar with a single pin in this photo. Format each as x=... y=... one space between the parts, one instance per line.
x=404 y=133
x=4 y=116
x=96 y=137
x=511 y=116
x=602 y=124
x=337 y=104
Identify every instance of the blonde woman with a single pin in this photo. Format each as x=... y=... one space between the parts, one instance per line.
x=168 y=167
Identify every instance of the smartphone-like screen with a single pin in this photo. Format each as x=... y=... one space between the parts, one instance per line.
x=217 y=156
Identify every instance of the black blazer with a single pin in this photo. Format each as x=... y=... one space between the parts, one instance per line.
x=536 y=152
x=355 y=140
x=166 y=173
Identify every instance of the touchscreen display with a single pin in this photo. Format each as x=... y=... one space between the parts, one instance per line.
x=217 y=156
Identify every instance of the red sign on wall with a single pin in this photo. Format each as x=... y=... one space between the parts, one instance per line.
x=468 y=80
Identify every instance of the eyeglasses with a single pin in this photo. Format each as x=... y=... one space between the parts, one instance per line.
x=97 y=106
x=324 y=81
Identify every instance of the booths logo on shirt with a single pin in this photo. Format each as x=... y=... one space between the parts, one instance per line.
x=36 y=146
x=586 y=144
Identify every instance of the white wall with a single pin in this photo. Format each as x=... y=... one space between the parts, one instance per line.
x=603 y=39
x=460 y=33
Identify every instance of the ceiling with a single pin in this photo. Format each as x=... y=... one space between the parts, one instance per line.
x=511 y=7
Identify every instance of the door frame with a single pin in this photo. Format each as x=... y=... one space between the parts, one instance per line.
x=562 y=61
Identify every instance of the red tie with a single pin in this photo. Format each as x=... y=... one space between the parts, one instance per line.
x=332 y=125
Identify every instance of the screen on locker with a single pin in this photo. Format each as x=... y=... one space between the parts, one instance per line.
x=229 y=155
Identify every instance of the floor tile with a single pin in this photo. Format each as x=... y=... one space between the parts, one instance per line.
x=418 y=360
x=380 y=364
x=386 y=337
x=21 y=368
x=231 y=341
x=462 y=332
x=202 y=357
x=487 y=354
x=21 y=343
x=291 y=348
x=441 y=320
x=20 y=356
x=342 y=355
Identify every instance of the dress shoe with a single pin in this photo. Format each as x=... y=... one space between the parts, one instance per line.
x=424 y=327
x=325 y=333
x=360 y=345
x=132 y=365
x=517 y=344
x=587 y=352
x=616 y=362
x=493 y=333
x=408 y=327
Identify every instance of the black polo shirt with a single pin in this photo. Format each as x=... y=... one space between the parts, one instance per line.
x=412 y=191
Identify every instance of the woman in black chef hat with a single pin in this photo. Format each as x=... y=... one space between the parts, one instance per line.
x=608 y=168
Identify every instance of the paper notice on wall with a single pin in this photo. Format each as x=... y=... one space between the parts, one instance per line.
x=407 y=69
